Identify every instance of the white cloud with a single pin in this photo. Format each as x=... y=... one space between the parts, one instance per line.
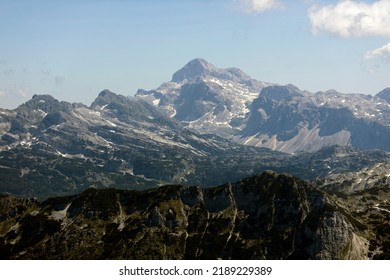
x=2 y=93
x=382 y=53
x=258 y=6
x=352 y=19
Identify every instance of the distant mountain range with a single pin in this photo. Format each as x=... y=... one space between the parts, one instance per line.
x=160 y=175
x=227 y=102
x=50 y=148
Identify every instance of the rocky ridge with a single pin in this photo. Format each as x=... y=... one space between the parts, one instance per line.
x=287 y=119
x=205 y=98
x=365 y=179
x=384 y=94
x=366 y=195
x=267 y=216
x=229 y=103
x=50 y=148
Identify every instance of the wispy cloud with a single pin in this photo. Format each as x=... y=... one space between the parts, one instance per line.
x=352 y=18
x=381 y=53
x=22 y=92
x=8 y=72
x=15 y=91
x=45 y=73
x=59 y=80
x=48 y=77
x=13 y=95
x=258 y=6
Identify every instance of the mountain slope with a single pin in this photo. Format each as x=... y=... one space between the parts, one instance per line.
x=384 y=94
x=268 y=216
x=229 y=103
x=366 y=179
x=366 y=193
x=51 y=148
x=287 y=119
x=206 y=98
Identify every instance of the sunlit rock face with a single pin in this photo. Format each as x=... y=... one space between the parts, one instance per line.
x=229 y=103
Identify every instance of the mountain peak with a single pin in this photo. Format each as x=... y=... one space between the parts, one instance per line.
x=194 y=68
x=106 y=96
x=278 y=92
x=42 y=96
x=200 y=61
x=106 y=92
x=44 y=102
x=199 y=67
x=384 y=94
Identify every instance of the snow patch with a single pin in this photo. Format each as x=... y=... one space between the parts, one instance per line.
x=111 y=123
x=173 y=114
x=43 y=113
x=97 y=113
x=63 y=155
x=60 y=215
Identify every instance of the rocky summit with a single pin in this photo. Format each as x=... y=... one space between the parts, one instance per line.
x=384 y=94
x=145 y=177
x=229 y=103
x=267 y=216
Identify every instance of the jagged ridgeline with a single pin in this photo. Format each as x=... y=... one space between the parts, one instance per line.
x=229 y=103
x=113 y=180
x=268 y=216
x=50 y=148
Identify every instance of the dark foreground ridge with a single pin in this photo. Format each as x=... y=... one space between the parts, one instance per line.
x=267 y=216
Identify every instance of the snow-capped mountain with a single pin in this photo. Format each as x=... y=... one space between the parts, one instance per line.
x=205 y=98
x=287 y=119
x=229 y=103
x=48 y=147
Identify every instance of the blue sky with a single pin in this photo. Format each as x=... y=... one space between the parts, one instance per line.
x=74 y=49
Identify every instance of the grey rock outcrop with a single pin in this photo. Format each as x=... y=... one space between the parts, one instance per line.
x=229 y=103
x=268 y=216
x=384 y=94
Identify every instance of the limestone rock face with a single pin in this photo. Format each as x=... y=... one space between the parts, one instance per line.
x=384 y=94
x=53 y=148
x=229 y=103
x=11 y=206
x=267 y=216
